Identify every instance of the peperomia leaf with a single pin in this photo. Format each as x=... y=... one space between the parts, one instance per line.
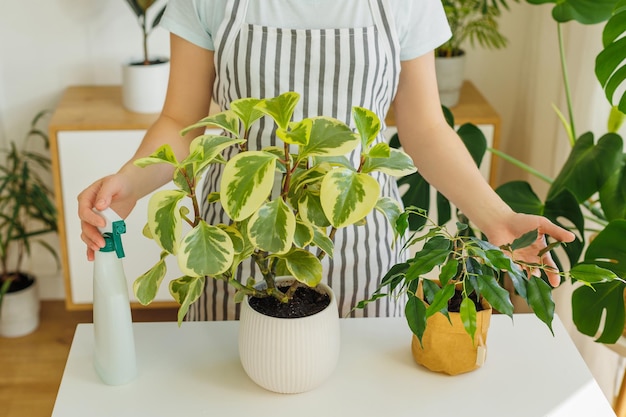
x=245 y=109
x=164 y=219
x=280 y=108
x=329 y=137
x=146 y=286
x=271 y=228
x=185 y=291
x=348 y=196
x=367 y=124
x=164 y=154
x=205 y=250
x=246 y=183
x=304 y=266
x=397 y=164
x=226 y=120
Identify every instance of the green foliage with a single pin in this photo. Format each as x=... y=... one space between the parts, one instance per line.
x=475 y=21
x=140 y=9
x=588 y=194
x=473 y=266
x=27 y=209
x=319 y=192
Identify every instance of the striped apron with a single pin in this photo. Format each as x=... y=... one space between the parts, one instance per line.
x=332 y=70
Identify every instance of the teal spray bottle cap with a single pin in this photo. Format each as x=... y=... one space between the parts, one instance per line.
x=112 y=232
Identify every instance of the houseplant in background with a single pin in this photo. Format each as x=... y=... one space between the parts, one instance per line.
x=27 y=212
x=589 y=191
x=473 y=21
x=144 y=80
x=280 y=200
x=450 y=316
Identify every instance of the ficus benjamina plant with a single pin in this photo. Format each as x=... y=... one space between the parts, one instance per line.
x=285 y=203
x=465 y=263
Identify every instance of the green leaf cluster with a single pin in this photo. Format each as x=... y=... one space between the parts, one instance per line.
x=280 y=200
x=140 y=8
x=473 y=21
x=27 y=209
x=588 y=194
x=466 y=267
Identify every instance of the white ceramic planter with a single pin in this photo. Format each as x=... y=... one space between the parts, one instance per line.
x=144 y=87
x=450 y=76
x=289 y=355
x=20 y=312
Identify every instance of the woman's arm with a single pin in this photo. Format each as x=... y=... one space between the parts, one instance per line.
x=192 y=74
x=443 y=160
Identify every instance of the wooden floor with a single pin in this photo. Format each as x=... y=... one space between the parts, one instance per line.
x=31 y=366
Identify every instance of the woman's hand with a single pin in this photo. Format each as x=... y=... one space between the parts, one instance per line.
x=112 y=191
x=516 y=225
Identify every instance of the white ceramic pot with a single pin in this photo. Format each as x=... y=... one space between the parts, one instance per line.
x=20 y=312
x=450 y=75
x=289 y=355
x=144 y=86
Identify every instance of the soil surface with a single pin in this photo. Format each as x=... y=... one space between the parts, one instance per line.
x=305 y=302
x=21 y=282
x=454 y=304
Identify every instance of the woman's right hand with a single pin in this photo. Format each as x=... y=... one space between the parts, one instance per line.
x=111 y=191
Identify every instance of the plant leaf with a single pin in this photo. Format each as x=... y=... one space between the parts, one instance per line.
x=280 y=108
x=304 y=266
x=540 y=300
x=146 y=286
x=497 y=296
x=468 y=316
x=397 y=164
x=205 y=250
x=415 y=312
x=272 y=226
x=164 y=219
x=164 y=154
x=246 y=183
x=226 y=120
x=329 y=137
x=186 y=290
x=347 y=196
x=590 y=305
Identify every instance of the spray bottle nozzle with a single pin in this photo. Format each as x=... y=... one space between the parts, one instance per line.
x=113 y=239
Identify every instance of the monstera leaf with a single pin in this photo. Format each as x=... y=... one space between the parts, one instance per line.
x=587 y=12
x=610 y=67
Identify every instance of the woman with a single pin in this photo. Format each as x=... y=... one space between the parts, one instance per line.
x=336 y=54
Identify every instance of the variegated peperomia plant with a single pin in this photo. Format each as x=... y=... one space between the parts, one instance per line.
x=320 y=191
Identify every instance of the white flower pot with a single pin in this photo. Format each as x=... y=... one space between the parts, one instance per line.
x=289 y=355
x=450 y=75
x=144 y=86
x=19 y=314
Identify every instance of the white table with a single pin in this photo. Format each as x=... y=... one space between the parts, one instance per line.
x=195 y=371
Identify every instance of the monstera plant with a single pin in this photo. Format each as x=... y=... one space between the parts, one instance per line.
x=590 y=188
x=285 y=203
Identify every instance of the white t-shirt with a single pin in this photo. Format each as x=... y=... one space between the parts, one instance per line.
x=421 y=24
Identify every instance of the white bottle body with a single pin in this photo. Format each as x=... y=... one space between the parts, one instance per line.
x=114 y=352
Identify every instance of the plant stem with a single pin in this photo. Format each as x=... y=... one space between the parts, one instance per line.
x=566 y=84
x=522 y=165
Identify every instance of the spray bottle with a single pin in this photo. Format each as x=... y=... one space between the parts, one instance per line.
x=114 y=352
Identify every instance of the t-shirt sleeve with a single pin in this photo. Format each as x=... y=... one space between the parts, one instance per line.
x=187 y=19
x=422 y=26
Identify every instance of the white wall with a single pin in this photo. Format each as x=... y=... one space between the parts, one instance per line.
x=46 y=46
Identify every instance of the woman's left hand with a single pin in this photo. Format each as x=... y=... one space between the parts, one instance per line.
x=517 y=225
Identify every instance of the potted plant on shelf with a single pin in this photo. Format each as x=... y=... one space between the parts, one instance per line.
x=281 y=201
x=144 y=80
x=590 y=188
x=450 y=316
x=473 y=21
x=27 y=212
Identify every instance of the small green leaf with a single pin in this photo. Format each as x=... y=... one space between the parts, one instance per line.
x=226 y=120
x=434 y=253
x=329 y=137
x=303 y=235
x=448 y=271
x=392 y=210
x=415 y=312
x=592 y=274
x=280 y=108
x=146 y=286
x=398 y=164
x=440 y=300
x=525 y=240
x=164 y=218
x=186 y=290
x=164 y=154
x=367 y=124
x=322 y=241
x=497 y=296
x=347 y=196
x=272 y=226
x=298 y=134
x=205 y=250
x=245 y=109
x=468 y=316
x=246 y=183
x=540 y=300
x=304 y=266
x=380 y=150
